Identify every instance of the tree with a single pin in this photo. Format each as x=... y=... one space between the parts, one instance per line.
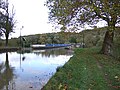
x=81 y=12
x=73 y=40
x=7 y=22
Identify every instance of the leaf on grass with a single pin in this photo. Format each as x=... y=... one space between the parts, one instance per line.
x=60 y=86
x=116 y=77
x=65 y=87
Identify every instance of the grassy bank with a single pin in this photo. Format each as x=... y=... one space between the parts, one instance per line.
x=8 y=49
x=87 y=70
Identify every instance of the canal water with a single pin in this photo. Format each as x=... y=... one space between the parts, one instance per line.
x=30 y=70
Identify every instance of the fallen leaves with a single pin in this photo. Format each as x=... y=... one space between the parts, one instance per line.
x=63 y=87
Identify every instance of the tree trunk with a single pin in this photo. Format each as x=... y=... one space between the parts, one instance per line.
x=6 y=44
x=108 y=43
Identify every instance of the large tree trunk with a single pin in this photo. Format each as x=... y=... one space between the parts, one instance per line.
x=108 y=43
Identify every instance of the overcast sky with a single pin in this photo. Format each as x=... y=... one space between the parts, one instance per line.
x=33 y=15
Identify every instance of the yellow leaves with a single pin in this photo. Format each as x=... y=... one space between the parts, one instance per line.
x=89 y=89
x=60 y=86
x=116 y=77
x=63 y=87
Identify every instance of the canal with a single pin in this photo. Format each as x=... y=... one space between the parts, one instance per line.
x=30 y=70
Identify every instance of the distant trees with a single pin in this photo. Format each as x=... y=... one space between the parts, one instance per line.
x=73 y=40
x=92 y=38
x=0 y=33
x=80 y=12
x=7 y=22
x=53 y=38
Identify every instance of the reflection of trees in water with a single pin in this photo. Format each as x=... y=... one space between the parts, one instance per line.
x=23 y=51
x=54 y=52
x=47 y=52
x=6 y=74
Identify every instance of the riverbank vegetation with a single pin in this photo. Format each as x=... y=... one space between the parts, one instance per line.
x=87 y=70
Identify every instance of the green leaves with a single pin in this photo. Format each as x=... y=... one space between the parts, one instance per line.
x=71 y=12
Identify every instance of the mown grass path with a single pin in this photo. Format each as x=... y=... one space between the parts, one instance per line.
x=87 y=70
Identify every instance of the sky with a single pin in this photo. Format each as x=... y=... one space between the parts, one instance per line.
x=32 y=15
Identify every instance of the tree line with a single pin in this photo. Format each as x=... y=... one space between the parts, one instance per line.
x=89 y=37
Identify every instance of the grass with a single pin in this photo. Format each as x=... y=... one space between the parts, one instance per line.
x=87 y=70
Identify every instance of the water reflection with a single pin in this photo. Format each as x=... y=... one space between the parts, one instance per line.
x=53 y=52
x=6 y=74
x=31 y=69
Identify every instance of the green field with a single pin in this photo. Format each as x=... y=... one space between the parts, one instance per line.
x=87 y=70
